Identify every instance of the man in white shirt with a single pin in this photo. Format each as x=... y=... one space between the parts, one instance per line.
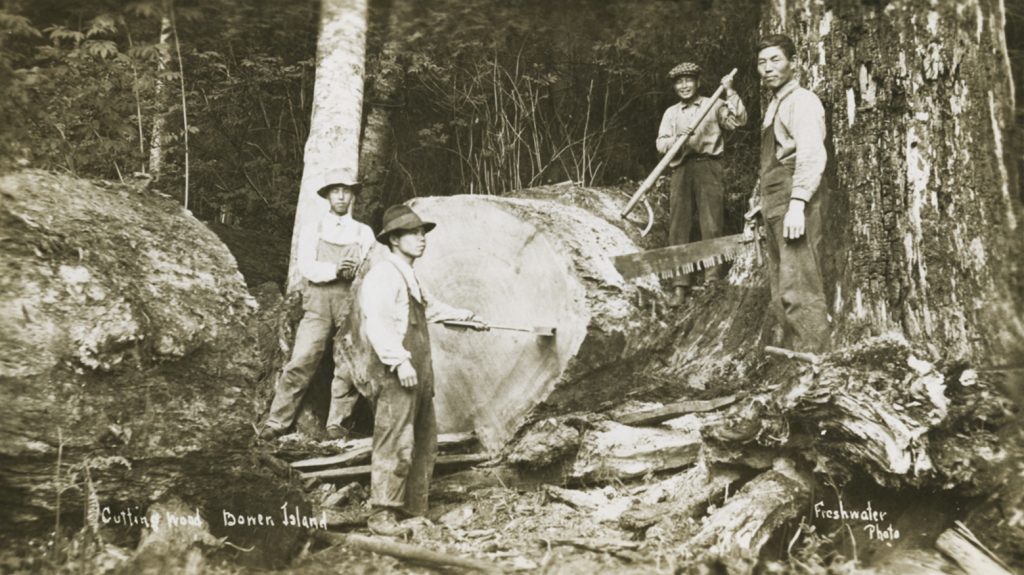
x=697 y=186
x=793 y=160
x=332 y=255
x=397 y=373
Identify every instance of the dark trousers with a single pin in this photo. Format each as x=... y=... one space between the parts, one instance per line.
x=404 y=447
x=798 y=293
x=697 y=188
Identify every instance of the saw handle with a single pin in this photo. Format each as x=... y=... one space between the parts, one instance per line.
x=471 y=324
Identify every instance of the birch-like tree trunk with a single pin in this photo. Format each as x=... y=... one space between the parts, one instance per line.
x=925 y=216
x=332 y=149
x=156 y=143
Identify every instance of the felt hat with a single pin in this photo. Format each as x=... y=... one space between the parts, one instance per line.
x=352 y=185
x=401 y=218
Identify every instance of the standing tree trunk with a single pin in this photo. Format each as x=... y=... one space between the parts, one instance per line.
x=920 y=99
x=156 y=144
x=333 y=144
x=387 y=75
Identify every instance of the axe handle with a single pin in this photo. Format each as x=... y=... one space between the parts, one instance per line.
x=678 y=145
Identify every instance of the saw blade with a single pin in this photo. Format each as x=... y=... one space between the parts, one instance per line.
x=674 y=261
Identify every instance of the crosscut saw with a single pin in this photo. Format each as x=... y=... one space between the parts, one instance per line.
x=686 y=258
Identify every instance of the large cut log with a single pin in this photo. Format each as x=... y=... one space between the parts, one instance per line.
x=531 y=263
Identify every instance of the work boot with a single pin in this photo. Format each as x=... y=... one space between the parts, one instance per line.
x=271 y=433
x=336 y=432
x=383 y=522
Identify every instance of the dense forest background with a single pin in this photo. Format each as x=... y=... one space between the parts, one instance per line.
x=210 y=102
x=485 y=96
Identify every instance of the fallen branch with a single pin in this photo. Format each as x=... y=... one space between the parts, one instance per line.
x=602 y=545
x=673 y=410
x=970 y=554
x=617 y=547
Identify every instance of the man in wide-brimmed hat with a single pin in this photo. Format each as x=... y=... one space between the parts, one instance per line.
x=394 y=309
x=696 y=187
x=332 y=254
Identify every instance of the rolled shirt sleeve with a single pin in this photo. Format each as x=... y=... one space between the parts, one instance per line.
x=438 y=311
x=804 y=119
x=733 y=114
x=312 y=270
x=384 y=305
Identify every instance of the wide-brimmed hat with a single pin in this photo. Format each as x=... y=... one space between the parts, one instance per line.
x=325 y=189
x=684 y=69
x=401 y=217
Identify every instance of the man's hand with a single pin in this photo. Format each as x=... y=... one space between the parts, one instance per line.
x=406 y=374
x=347 y=269
x=727 y=83
x=793 y=223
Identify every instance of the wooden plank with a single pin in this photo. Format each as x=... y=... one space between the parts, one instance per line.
x=359 y=448
x=673 y=410
x=364 y=470
x=351 y=456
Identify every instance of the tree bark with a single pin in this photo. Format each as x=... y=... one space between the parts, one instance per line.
x=387 y=76
x=332 y=148
x=156 y=141
x=919 y=100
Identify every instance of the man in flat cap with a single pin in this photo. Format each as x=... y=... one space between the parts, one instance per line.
x=696 y=186
x=332 y=253
x=397 y=373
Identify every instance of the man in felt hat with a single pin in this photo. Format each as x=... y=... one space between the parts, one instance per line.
x=332 y=254
x=397 y=374
x=696 y=185
x=790 y=189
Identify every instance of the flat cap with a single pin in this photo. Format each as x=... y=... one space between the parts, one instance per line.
x=684 y=69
